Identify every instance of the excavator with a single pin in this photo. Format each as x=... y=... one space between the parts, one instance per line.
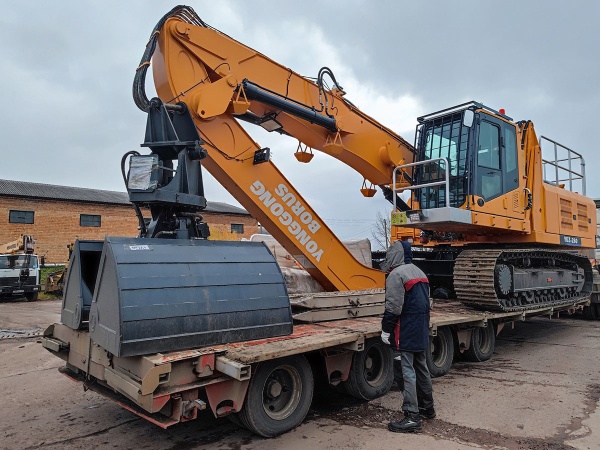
x=494 y=231
x=489 y=228
x=19 y=272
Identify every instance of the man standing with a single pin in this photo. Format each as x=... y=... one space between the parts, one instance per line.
x=405 y=326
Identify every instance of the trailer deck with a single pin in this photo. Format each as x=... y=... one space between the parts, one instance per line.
x=166 y=388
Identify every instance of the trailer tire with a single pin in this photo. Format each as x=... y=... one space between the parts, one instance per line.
x=595 y=310
x=482 y=344
x=278 y=397
x=591 y=312
x=234 y=418
x=372 y=371
x=440 y=353
x=585 y=312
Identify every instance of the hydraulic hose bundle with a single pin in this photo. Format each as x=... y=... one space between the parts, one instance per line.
x=186 y=14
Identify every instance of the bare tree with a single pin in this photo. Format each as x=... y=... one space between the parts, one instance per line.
x=381 y=230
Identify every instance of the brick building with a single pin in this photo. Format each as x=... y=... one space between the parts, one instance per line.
x=57 y=215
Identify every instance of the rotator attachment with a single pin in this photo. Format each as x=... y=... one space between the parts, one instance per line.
x=173 y=195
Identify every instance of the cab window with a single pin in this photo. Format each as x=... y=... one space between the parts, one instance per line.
x=488 y=154
x=510 y=151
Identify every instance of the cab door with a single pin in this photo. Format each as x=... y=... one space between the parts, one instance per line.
x=496 y=170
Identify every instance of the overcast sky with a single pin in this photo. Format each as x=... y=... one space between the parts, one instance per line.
x=67 y=115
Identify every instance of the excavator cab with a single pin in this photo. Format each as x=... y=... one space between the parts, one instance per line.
x=466 y=156
x=480 y=149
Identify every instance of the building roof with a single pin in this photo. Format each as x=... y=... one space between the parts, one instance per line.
x=77 y=194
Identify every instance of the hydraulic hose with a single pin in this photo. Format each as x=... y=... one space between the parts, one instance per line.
x=182 y=12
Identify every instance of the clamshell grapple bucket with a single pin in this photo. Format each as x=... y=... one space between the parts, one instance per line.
x=160 y=295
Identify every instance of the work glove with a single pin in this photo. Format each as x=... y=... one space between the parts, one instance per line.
x=385 y=337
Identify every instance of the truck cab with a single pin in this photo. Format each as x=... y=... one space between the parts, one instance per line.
x=19 y=276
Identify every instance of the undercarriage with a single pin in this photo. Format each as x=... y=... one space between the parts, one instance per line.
x=507 y=279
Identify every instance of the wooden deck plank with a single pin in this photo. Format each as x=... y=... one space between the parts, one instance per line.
x=308 y=337
x=319 y=315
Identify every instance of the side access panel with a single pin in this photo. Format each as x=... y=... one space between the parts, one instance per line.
x=163 y=295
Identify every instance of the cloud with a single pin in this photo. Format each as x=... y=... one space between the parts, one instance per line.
x=67 y=115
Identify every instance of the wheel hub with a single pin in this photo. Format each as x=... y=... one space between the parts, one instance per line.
x=274 y=389
x=282 y=392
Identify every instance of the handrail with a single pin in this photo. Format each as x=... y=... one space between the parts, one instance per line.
x=572 y=174
x=424 y=185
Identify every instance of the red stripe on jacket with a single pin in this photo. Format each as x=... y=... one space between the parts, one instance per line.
x=397 y=334
x=410 y=283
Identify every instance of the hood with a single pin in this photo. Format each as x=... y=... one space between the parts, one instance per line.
x=407 y=252
x=394 y=257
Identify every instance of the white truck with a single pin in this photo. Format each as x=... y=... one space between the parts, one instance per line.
x=19 y=269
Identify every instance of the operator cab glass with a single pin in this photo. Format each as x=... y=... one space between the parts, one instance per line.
x=496 y=171
x=443 y=137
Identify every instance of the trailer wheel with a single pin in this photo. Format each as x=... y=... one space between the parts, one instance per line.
x=588 y=312
x=595 y=307
x=234 y=418
x=279 y=396
x=440 y=353
x=591 y=312
x=372 y=371
x=483 y=342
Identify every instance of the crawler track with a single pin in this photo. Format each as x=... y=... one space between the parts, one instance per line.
x=512 y=280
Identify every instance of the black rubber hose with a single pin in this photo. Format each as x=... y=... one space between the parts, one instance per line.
x=138 y=211
x=186 y=14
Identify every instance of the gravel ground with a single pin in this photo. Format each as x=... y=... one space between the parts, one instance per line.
x=540 y=390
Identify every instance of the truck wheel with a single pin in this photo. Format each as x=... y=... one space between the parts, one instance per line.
x=279 y=396
x=595 y=311
x=440 y=353
x=372 y=371
x=591 y=312
x=586 y=312
x=235 y=419
x=32 y=297
x=483 y=342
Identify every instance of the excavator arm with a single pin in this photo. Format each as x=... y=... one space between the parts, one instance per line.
x=222 y=82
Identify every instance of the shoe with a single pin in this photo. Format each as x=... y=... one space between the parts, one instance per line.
x=427 y=413
x=410 y=424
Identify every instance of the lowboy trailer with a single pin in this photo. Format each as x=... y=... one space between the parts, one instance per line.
x=266 y=385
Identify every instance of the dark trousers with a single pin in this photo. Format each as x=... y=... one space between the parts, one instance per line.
x=417 y=391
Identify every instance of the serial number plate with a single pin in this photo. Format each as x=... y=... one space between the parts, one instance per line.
x=570 y=240
x=139 y=247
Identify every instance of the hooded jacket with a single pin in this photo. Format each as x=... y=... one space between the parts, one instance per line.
x=406 y=315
